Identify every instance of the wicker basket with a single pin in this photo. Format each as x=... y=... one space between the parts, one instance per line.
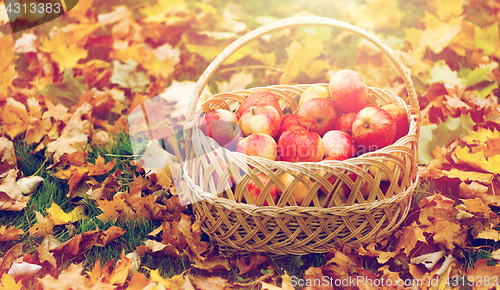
x=313 y=227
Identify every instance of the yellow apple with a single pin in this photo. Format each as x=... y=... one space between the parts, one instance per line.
x=300 y=191
x=312 y=92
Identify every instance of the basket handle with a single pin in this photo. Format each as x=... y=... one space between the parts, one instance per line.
x=300 y=21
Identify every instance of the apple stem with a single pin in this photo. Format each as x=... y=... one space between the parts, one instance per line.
x=253 y=110
x=309 y=127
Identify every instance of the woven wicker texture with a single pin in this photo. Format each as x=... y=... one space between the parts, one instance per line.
x=217 y=183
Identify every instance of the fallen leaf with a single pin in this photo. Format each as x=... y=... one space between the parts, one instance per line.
x=213 y=264
x=255 y=261
x=214 y=282
x=67 y=92
x=45 y=256
x=237 y=82
x=487 y=38
x=7 y=67
x=437 y=35
x=14 y=118
x=59 y=217
x=409 y=237
x=62 y=51
x=127 y=76
x=9 y=283
x=100 y=167
x=481 y=273
x=7 y=156
x=69 y=278
x=10 y=257
x=10 y=234
x=120 y=272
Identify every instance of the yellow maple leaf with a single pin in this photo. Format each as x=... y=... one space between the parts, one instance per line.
x=464 y=40
x=62 y=51
x=478 y=160
x=14 y=118
x=162 y=60
x=9 y=283
x=9 y=234
x=445 y=9
x=60 y=217
x=79 y=12
x=300 y=56
x=156 y=12
x=7 y=67
x=437 y=34
x=120 y=273
x=387 y=14
x=42 y=227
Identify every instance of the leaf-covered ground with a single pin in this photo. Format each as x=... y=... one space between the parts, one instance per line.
x=99 y=220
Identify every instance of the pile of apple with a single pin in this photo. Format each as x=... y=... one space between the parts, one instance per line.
x=334 y=123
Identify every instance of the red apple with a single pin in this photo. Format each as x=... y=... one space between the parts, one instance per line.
x=260 y=99
x=317 y=115
x=312 y=92
x=260 y=120
x=258 y=144
x=254 y=190
x=373 y=128
x=222 y=126
x=400 y=118
x=289 y=127
x=344 y=122
x=290 y=119
x=300 y=190
x=300 y=146
x=347 y=91
x=339 y=143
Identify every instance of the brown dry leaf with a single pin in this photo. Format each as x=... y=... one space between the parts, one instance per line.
x=107 y=188
x=192 y=234
x=70 y=278
x=481 y=273
x=57 y=112
x=109 y=235
x=14 y=118
x=100 y=166
x=213 y=264
x=7 y=65
x=8 y=186
x=50 y=242
x=75 y=135
x=45 y=255
x=114 y=209
x=313 y=274
x=78 y=243
x=409 y=236
x=138 y=282
x=213 y=283
x=255 y=261
x=120 y=273
x=7 y=156
x=10 y=234
x=285 y=284
x=10 y=257
x=42 y=227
